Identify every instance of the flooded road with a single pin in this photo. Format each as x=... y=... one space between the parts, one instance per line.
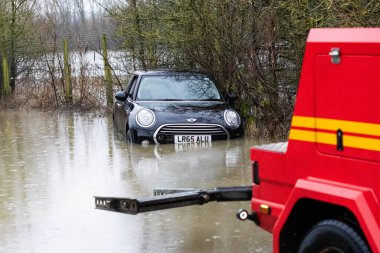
x=52 y=164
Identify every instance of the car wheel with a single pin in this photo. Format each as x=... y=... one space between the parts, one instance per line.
x=332 y=236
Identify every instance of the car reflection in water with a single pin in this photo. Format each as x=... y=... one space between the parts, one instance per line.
x=192 y=146
x=199 y=165
x=174 y=107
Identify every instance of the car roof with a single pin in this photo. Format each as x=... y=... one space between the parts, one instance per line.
x=168 y=72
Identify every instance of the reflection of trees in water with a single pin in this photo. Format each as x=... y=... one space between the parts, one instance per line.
x=191 y=87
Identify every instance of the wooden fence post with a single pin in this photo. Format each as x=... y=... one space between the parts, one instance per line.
x=107 y=72
x=67 y=73
x=5 y=73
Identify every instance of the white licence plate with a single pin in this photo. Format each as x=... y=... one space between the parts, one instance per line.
x=192 y=139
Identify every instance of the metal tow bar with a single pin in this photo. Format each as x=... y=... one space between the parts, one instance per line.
x=171 y=198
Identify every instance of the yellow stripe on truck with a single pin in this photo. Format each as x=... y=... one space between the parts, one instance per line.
x=308 y=122
x=334 y=124
x=313 y=134
x=302 y=135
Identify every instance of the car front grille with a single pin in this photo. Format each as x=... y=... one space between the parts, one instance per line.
x=169 y=130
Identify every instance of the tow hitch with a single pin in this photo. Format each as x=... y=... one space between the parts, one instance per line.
x=166 y=198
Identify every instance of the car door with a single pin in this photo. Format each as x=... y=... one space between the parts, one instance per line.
x=122 y=108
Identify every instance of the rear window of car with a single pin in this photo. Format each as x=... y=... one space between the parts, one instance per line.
x=177 y=87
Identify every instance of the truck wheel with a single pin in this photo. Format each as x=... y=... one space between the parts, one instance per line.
x=332 y=236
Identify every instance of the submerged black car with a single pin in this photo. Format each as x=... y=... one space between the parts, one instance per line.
x=174 y=107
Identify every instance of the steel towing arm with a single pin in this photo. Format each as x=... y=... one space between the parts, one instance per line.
x=172 y=198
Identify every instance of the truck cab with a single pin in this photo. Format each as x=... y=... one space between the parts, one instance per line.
x=319 y=191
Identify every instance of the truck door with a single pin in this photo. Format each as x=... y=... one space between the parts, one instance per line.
x=348 y=105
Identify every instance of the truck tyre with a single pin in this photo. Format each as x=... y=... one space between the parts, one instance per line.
x=332 y=236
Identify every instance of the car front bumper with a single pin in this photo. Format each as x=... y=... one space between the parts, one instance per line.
x=166 y=133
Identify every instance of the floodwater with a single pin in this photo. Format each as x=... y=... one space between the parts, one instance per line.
x=52 y=164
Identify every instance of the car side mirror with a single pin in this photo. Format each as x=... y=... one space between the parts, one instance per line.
x=121 y=96
x=231 y=98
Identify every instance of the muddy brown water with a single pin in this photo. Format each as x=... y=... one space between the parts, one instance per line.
x=52 y=164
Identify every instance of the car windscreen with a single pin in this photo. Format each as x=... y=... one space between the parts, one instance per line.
x=178 y=87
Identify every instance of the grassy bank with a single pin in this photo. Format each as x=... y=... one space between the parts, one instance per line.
x=89 y=94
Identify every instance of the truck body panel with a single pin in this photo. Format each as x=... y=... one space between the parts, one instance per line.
x=333 y=152
x=361 y=201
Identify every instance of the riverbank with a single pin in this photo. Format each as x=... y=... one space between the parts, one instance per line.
x=89 y=95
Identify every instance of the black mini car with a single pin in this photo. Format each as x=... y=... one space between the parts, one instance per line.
x=174 y=107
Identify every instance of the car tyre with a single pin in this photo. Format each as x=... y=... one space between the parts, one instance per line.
x=332 y=236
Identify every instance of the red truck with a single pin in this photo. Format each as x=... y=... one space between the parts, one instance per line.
x=318 y=192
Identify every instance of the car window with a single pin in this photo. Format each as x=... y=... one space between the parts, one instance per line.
x=180 y=87
x=132 y=85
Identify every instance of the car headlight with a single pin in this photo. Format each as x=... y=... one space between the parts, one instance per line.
x=145 y=118
x=232 y=118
